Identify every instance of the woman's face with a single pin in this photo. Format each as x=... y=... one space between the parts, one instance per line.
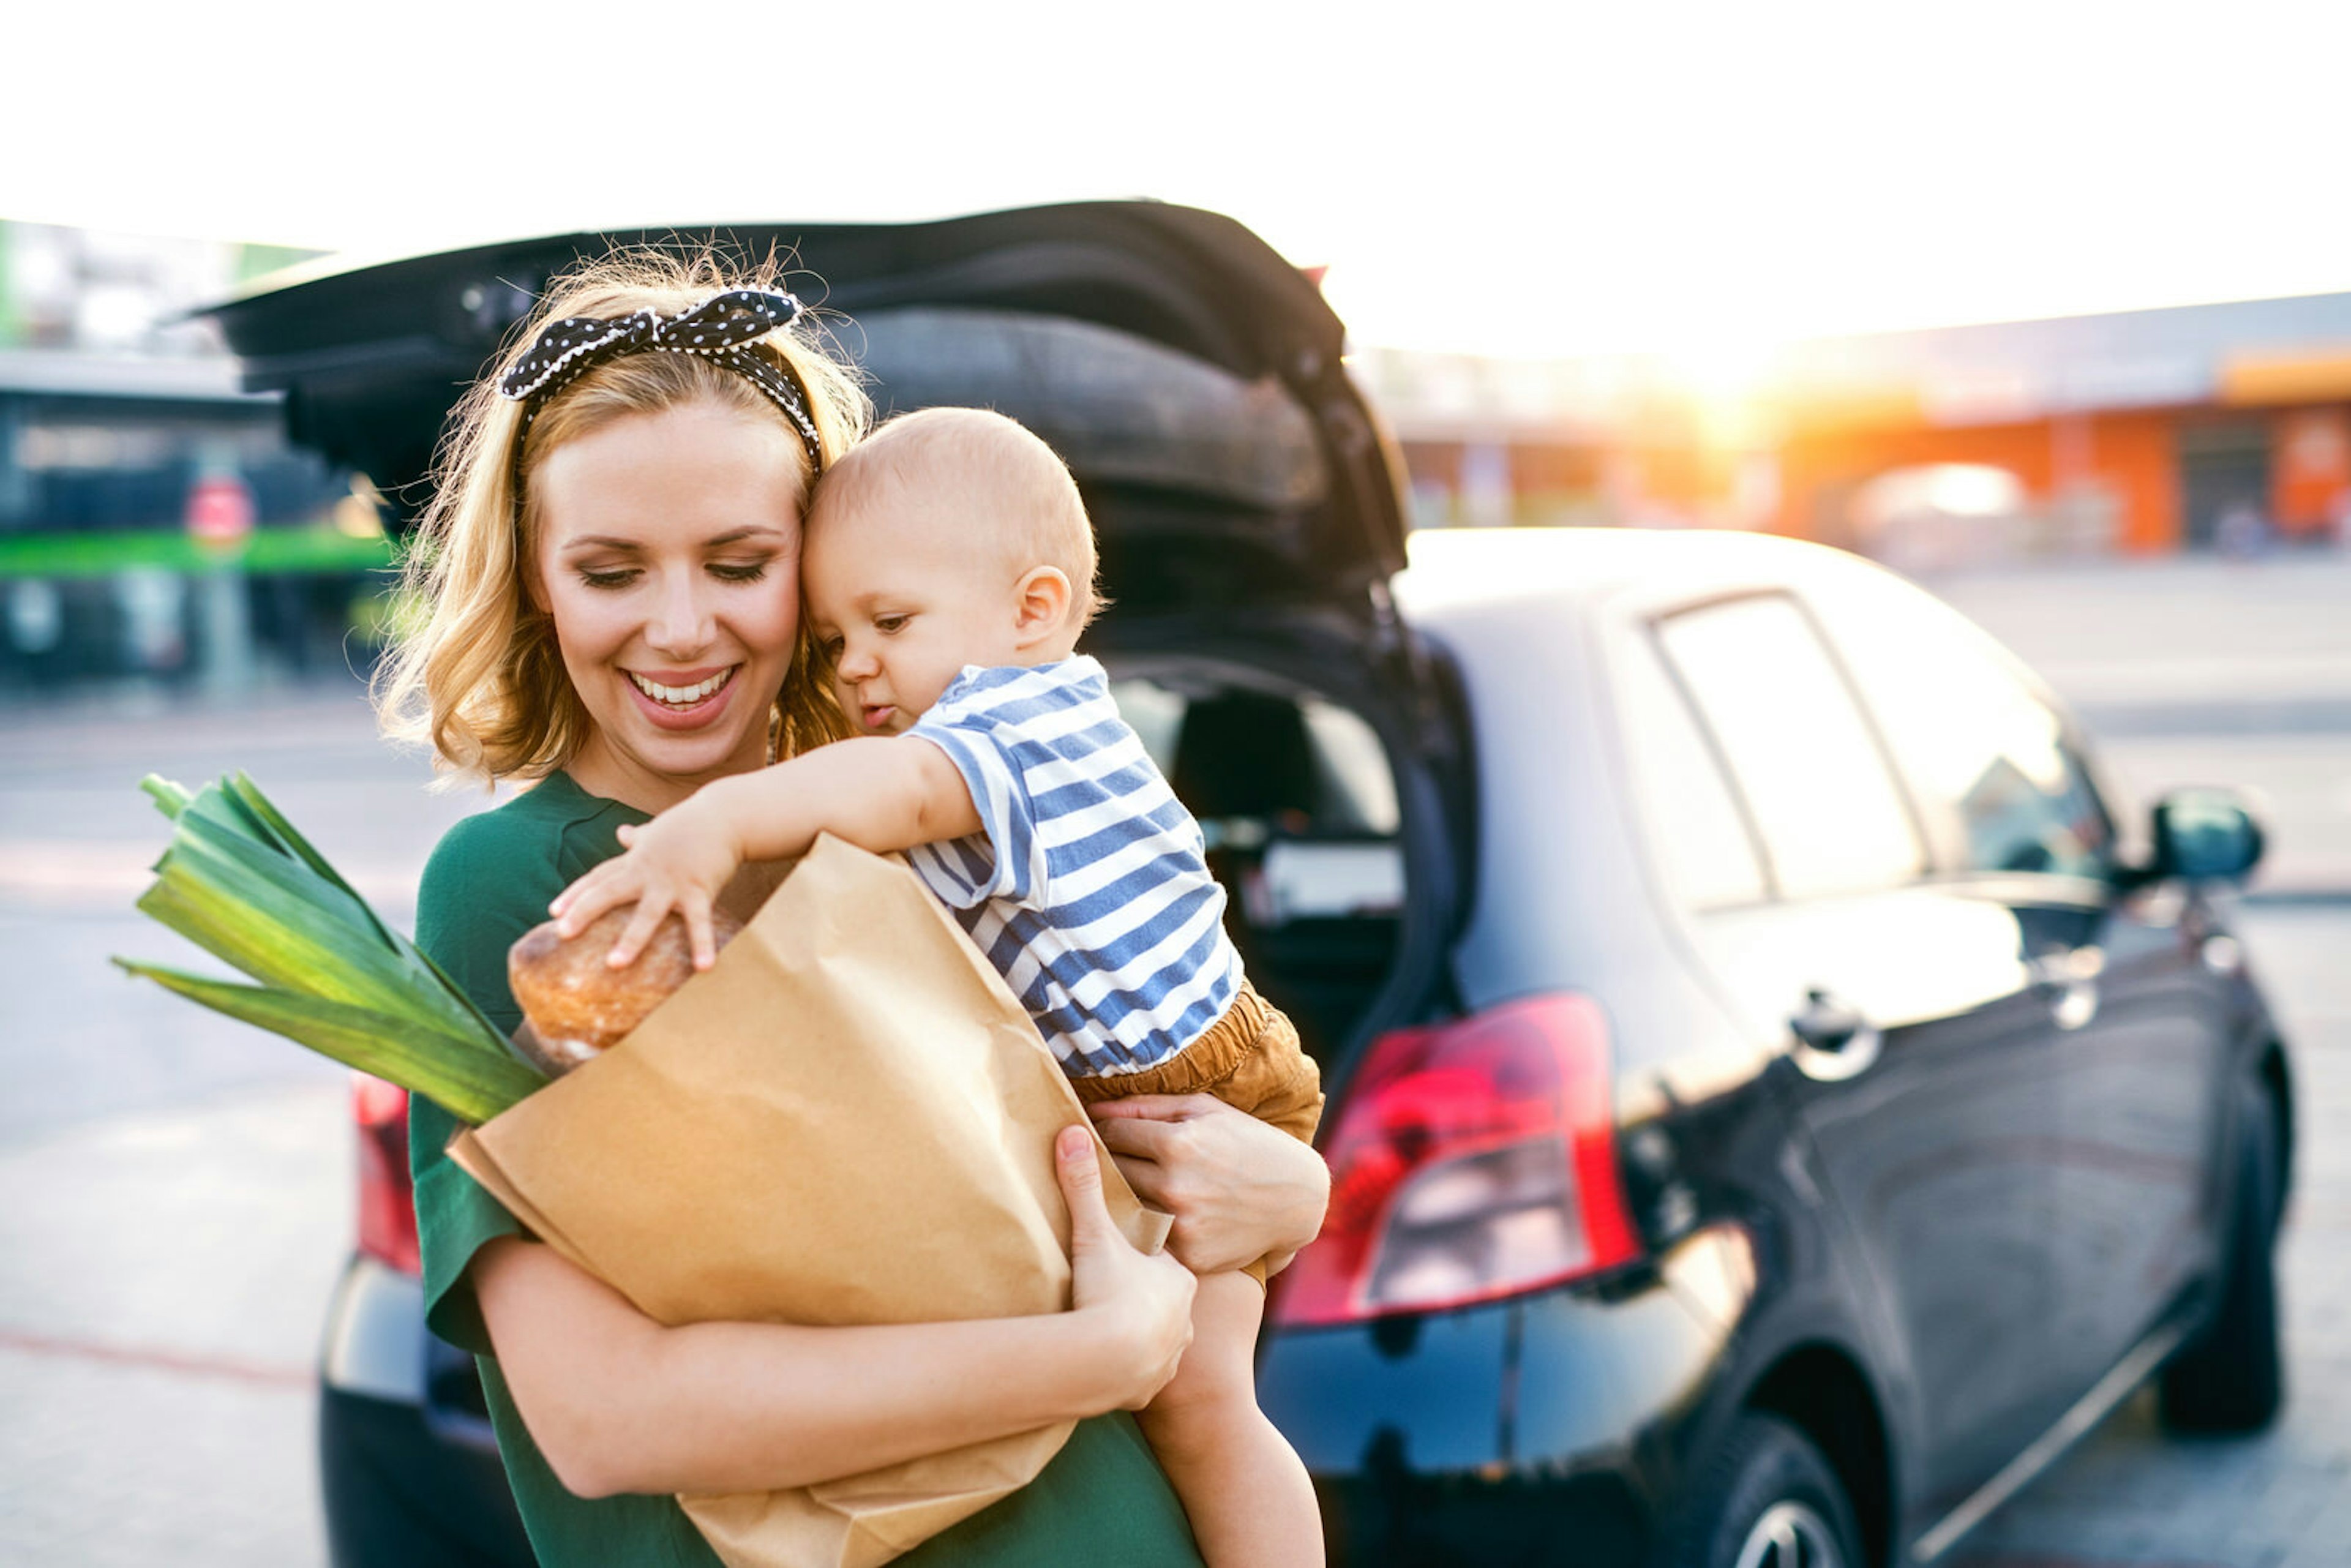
x=669 y=559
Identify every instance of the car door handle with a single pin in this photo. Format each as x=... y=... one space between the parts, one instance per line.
x=1834 y=1039
x=2069 y=978
x=1824 y=1023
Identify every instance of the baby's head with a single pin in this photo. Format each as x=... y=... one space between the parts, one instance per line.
x=949 y=536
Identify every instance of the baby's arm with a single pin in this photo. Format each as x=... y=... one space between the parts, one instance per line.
x=879 y=792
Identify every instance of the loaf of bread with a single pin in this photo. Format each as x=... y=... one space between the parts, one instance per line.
x=577 y=1004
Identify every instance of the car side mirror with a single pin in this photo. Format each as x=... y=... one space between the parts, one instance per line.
x=2204 y=835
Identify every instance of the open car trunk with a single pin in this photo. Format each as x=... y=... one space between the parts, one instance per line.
x=1249 y=509
x=1330 y=831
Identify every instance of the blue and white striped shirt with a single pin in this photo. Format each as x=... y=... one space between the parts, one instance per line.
x=1086 y=886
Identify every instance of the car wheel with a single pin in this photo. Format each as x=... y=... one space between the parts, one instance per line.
x=2232 y=1376
x=1767 y=1498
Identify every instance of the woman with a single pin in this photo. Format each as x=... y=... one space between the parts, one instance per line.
x=611 y=567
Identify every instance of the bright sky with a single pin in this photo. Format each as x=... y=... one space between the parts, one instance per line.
x=1516 y=178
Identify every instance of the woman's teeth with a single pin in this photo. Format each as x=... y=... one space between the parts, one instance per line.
x=682 y=696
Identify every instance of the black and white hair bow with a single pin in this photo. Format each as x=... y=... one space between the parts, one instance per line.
x=721 y=329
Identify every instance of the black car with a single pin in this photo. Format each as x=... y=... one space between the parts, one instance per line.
x=1775 y=1105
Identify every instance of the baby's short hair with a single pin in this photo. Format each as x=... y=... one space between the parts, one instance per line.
x=994 y=467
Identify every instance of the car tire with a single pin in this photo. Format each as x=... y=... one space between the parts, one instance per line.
x=2232 y=1376
x=1766 y=1498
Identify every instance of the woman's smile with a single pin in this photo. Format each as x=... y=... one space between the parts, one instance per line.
x=684 y=700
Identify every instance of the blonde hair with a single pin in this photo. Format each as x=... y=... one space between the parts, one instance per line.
x=994 y=468
x=474 y=671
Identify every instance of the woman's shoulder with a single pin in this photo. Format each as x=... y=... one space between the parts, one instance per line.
x=543 y=831
x=530 y=814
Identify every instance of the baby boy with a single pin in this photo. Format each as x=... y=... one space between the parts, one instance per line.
x=948 y=567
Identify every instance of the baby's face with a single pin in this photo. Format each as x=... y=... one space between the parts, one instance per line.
x=902 y=601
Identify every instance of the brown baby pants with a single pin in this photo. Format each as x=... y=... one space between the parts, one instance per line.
x=1249 y=1059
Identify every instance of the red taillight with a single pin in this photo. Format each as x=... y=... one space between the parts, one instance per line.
x=387 y=1201
x=1470 y=1160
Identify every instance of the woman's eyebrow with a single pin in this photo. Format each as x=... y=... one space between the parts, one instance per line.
x=732 y=537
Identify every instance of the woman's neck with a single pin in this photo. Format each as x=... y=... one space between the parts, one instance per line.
x=598 y=769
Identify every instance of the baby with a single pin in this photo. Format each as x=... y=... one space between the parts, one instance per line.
x=948 y=567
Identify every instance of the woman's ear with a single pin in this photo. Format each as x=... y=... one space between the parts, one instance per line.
x=1043 y=605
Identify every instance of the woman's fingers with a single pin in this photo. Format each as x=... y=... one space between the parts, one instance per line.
x=1238 y=1188
x=1144 y=1177
x=1144 y=1303
x=1081 y=1188
x=1156 y=1108
x=1129 y=1136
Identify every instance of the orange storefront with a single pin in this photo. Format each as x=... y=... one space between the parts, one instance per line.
x=2141 y=431
x=2163 y=422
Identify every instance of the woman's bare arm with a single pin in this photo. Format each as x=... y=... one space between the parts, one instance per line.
x=619 y=1403
x=1238 y=1188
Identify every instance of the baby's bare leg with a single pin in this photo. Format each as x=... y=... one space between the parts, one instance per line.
x=1242 y=1485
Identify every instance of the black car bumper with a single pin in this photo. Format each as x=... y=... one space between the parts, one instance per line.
x=1547 y=1430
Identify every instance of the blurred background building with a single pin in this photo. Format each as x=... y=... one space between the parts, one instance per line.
x=155 y=528
x=154 y=525
x=2211 y=427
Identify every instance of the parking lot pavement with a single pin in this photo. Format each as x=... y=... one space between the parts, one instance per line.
x=165 y=1275
x=175 y=1188
x=2133 y=1495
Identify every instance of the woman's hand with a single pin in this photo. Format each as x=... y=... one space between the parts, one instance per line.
x=1141 y=1304
x=1239 y=1189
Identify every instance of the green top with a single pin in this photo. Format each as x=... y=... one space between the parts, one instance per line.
x=1102 y=1500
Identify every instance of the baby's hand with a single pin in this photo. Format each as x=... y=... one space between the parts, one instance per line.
x=678 y=861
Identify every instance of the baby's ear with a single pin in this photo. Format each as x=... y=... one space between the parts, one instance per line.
x=1043 y=603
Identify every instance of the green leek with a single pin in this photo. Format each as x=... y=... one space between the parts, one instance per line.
x=239 y=882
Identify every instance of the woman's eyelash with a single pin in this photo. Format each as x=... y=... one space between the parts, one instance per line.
x=727 y=572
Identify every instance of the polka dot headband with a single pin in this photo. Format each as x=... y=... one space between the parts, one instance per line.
x=721 y=329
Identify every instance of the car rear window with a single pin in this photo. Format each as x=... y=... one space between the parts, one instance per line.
x=1296 y=806
x=1801 y=755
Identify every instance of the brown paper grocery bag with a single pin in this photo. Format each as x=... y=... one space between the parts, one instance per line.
x=849 y=1120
